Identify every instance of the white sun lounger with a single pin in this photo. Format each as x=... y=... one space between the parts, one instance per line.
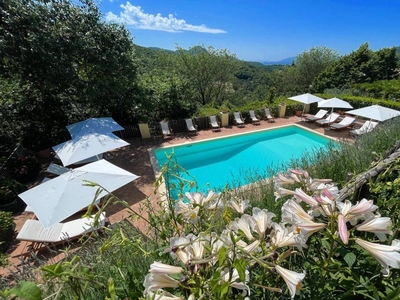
x=166 y=129
x=318 y=116
x=328 y=120
x=33 y=231
x=268 y=115
x=254 y=119
x=214 y=123
x=345 y=123
x=368 y=126
x=57 y=169
x=190 y=126
x=238 y=119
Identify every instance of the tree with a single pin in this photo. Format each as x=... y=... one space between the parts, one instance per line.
x=310 y=64
x=67 y=62
x=362 y=65
x=210 y=71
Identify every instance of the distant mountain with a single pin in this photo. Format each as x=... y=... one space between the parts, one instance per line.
x=286 y=61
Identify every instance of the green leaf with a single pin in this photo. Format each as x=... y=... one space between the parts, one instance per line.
x=27 y=291
x=221 y=256
x=240 y=266
x=350 y=259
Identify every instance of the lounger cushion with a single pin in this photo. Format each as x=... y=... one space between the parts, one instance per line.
x=33 y=231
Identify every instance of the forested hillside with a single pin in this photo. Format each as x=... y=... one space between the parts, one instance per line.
x=69 y=64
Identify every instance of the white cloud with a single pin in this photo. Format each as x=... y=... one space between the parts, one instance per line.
x=135 y=17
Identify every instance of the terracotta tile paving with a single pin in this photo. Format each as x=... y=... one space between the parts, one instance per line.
x=135 y=158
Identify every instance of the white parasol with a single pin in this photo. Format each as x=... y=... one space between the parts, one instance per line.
x=63 y=196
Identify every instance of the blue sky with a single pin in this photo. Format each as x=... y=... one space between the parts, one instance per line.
x=259 y=30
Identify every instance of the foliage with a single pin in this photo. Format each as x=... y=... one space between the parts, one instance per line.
x=66 y=65
x=307 y=66
x=9 y=190
x=6 y=222
x=22 y=167
x=363 y=65
x=209 y=71
x=385 y=191
x=381 y=89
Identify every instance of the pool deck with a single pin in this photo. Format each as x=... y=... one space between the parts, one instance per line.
x=135 y=158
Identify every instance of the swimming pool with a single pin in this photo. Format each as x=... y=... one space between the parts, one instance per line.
x=217 y=162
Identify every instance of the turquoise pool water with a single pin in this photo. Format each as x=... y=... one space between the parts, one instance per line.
x=216 y=163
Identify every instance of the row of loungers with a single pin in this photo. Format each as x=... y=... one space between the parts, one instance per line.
x=346 y=122
x=215 y=125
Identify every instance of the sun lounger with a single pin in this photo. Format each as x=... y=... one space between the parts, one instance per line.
x=345 y=123
x=318 y=116
x=368 y=126
x=214 y=123
x=253 y=118
x=268 y=115
x=165 y=129
x=328 y=120
x=87 y=160
x=238 y=119
x=33 y=231
x=190 y=126
x=57 y=169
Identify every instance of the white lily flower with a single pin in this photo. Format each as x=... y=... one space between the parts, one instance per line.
x=263 y=220
x=224 y=240
x=162 y=295
x=378 y=225
x=189 y=213
x=282 y=236
x=200 y=199
x=249 y=248
x=292 y=279
x=225 y=275
x=362 y=210
x=160 y=268
x=153 y=282
x=238 y=204
x=178 y=249
x=303 y=196
x=384 y=254
x=342 y=227
x=244 y=224
x=308 y=228
x=281 y=179
x=292 y=212
x=197 y=247
x=282 y=192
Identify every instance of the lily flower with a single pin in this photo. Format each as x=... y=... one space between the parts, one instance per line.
x=162 y=295
x=303 y=196
x=308 y=228
x=280 y=179
x=225 y=275
x=343 y=233
x=363 y=209
x=153 y=282
x=263 y=220
x=160 y=268
x=248 y=248
x=292 y=212
x=386 y=255
x=282 y=192
x=292 y=279
x=378 y=225
x=282 y=236
x=238 y=204
x=244 y=224
x=189 y=213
